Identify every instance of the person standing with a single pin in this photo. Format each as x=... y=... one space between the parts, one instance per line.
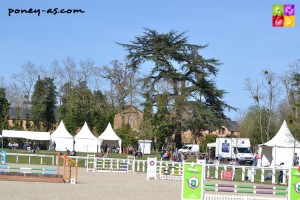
x=296 y=160
x=280 y=177
x=256 y=158
x=54 y=146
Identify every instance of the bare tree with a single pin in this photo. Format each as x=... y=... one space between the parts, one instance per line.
x=23 y=88
x=265 y=95
x=123 y=85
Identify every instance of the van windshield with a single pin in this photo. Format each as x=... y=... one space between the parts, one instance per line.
x=185 y=147
x=244 y=150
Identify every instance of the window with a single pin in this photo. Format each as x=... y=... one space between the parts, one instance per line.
x=130 y=122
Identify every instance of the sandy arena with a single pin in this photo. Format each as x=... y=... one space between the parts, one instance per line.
x=99 y=185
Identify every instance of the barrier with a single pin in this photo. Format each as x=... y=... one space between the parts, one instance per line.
x=68 y=168
x=30 y=174
x=277 y=190
x=171 y=171
x=111 y=165
x=4 y=168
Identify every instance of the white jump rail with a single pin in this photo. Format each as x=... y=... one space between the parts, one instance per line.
x=216 y=196
x=247 y=171
x=31 y=155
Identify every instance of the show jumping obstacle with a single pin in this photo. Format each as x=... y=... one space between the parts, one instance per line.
x=212 y=187
x=66 y=170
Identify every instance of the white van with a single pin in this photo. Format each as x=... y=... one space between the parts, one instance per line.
x=189 y=148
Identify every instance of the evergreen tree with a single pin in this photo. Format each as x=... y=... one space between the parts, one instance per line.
x=188 y=74
x=4 y=110
x=44 y=104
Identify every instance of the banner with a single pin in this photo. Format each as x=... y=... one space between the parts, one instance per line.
x=227 y=174
x=192 y=182
x=294 y=184
x=3 y=157
x=151 y=168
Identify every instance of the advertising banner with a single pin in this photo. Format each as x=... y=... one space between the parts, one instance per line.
x=227 y=174
x=294 y=184
x=192 y=182
x=3 y=157
x=151 y=168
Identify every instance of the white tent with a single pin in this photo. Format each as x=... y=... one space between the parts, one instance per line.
x=30 y=135
x=62 y=138
x=279 y=149
x=110 y=138
x=85 y=141
x=212 y=145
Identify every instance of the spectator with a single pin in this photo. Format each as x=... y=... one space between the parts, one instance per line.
x=280 y=177
x=219 y=157
x=256 y=158
x=130 y=150
x=54 y=146
x=296 y=160
x=68 y=151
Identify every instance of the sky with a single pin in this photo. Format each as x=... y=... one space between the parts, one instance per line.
x=238 y=33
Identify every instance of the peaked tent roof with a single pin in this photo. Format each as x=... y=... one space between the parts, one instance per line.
x=109 y=134
x=283 y=138
x=61 y=132
x=85 y=133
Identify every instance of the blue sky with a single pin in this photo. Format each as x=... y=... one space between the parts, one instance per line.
x=239 y=33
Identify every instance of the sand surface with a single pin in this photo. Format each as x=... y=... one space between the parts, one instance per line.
x=94 y=185
x=98 y=185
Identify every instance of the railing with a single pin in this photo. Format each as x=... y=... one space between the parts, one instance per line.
x=30 y=156
x=242 y=173
x=216 y=196
x=252 y=173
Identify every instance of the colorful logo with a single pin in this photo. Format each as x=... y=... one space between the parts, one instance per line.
x=283 y=15
x=193 y=182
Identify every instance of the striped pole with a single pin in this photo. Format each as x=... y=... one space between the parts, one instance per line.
x=4 y=168
x=251 y=189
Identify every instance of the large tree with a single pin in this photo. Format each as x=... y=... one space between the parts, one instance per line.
x=4 y=109
x=44 y=104
x=189 y=76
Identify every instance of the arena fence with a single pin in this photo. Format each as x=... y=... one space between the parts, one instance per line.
x=217 y=196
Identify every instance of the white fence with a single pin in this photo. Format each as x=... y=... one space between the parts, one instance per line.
x=30 y=156
x=248 y=173
x=216 y=196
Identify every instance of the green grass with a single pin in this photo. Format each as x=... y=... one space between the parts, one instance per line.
x=48 y=161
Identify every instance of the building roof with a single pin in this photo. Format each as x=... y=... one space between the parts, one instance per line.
x=13 y=113
x=233 y=126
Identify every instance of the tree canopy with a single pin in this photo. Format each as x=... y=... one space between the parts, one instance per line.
x=188 y=76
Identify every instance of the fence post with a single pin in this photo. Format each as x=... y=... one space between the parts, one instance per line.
x=133 y=165
x=29 y=159
x=262 y=175
x=216 y=172
x=273 y=175
x=253 y=174
x=208 y=171
x=41 y=160
x=284 y=176
x=243 y=173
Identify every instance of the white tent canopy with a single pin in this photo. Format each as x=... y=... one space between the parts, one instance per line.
x=280 y=148
x=85 y=141
x=30 y=135
x=110 y=138
x=62 y=138
x=212 y=145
